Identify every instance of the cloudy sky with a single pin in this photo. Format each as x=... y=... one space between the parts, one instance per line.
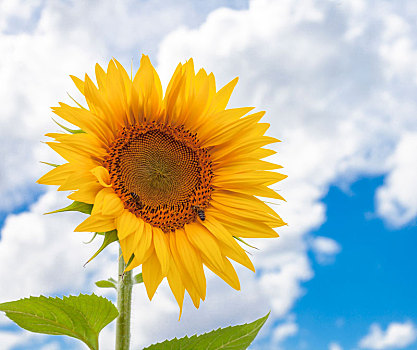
x=338 y=80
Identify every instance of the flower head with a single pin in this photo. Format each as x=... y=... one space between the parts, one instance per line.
x=177 y=175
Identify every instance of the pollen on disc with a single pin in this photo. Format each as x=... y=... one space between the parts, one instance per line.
x=160 y=173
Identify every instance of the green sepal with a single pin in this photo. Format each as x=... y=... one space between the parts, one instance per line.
x=72 y=131
x=245 y=243
x=81 y=317
x=138 y=278
x=51 y=164
x=109 y=283
x=92 y=239
x=109 y=237
x=79 y=105
x=130 y=260
x=75 y=206
x=230 y=338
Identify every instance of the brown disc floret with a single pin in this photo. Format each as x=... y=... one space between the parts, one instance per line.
x=160 y=173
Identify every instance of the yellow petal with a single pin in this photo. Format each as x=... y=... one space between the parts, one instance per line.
x=145 y=242
x=217 y=230
x=69 y=153
x=102 y=175
x=262 y=153
x=192 y=262
x=83 y=142
x=243 y=165
x=219 y=121
x=176 y=285
x=185 y=277
x=246 y=229
x=227 y=243
x=248 y=179
x=137 y=262
x=98 y=104
x=146 y=92
x=112 y=204
x=98 y=202
x=87 y=193
x=230 y=128
x=162 y=249
x=238 y=255
x=76 y=180
x=244 y=214
x=78 y=83
x=261 y=191
x=101 y=77
x=202 y=240
x=86 y=120
x=127 y=223
x=234 y=150
x=242 y=201
x=152 y=275
x=128 y=246
x=222 y=97
x=227 y=274
x=96 y=223
x=116 y=94
x=56 y=176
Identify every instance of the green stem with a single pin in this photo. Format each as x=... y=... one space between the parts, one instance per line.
x=124 y=300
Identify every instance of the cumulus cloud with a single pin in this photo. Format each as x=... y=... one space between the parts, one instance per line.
x=326 y=72
x=335 y=346
x=46 y=41
x=325 y=249
x=284 y=330
x=10 y=339
x=396 y=336
x=397 y=199
x=330 y=95
x=41 y=255
x=48 y=243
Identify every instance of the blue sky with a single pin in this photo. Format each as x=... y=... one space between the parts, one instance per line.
x=371 y=279
x=339 y=83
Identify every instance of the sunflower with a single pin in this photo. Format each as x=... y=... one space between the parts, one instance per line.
x=177 y=175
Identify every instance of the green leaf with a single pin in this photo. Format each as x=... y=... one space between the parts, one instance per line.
x=230 y=338
x=72 y=131
x=138 y=278
x=109 y=237
x=109 y=283
x=75 y=206
x=81 y=317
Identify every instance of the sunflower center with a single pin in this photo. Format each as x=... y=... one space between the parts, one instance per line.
x=159 y=169
x=160 y=173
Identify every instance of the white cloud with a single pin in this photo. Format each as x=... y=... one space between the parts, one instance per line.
x=325 y=249
x=46 y=41
x=42 y=255
x=10 y=339
x=335 y=346
x=397 y=198
x=284 y=330
x=396 y=336
x=51 y=346
x=324 y=71
x=42 y=81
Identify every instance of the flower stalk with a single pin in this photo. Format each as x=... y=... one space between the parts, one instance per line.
x=124 y=301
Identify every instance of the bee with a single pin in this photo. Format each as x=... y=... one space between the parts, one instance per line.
x=200 y=212
x=136 y=198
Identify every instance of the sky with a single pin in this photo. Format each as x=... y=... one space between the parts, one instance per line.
x=338 y=80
